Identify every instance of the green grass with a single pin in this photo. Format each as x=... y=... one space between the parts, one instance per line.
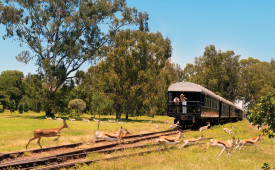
x=195 y=157
x=16 y=130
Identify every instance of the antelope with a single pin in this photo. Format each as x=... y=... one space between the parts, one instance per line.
x=112 y=121
x=157 y=126
x=191 y=142
x=204 y=127
x=96 y=120
x=250 y=142
x=121 y=136
x=164 y=140
x=108 y=136
x=48 y=118
x=175 y=125
x=260 y=138
x=58 y=118
x=229 y=130
x=39 y=133
x=150 y=122
x=71 y=119
x=86 y=120
x=223 y=144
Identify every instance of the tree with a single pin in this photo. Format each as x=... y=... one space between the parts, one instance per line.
x=263 y=114
x=33 y=92
x=63 y=35
x=129 y=72
x=101 y=104
x=11 y=87
x=218 y=71
x=256 y=79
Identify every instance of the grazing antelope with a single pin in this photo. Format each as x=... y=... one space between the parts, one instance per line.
x=229 y=130
x=58 y=118
x=48 y=118
x=171 y=140
x=250 y=142
x=112 y=121
x=191 y=142
x=157 y=126
x=96 y=120
x=260 y=138
x=204 y=127
x=223 y=144
x=150 y=122
x=39 y=133
x=71 y=119
x=86 y=120
x=108 y=136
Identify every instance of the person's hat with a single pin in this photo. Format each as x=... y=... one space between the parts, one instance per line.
x=182 y=97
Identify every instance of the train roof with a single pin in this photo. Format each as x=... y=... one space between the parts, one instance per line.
x=192 y=87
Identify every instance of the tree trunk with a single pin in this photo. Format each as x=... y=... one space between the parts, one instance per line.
x=49 y=113
x=127 y=116
x=98 y=122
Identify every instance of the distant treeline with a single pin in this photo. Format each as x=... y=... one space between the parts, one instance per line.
x=135 y=83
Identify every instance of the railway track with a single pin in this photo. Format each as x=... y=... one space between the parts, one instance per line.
x=77 y=155
x=13 y=155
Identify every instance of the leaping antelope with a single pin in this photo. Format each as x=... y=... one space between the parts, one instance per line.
x=204 y=127
x=260 y=138
x=223 y=144
x=39 y=133
x=175 y=125
x=250 y=142
x=169 y=140
x=229 y=130
x=108 y=136
x=191 y=142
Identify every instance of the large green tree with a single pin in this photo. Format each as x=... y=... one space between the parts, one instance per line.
x=256 y=79
x=217 y=71
x=62 y=35
x=129 y=72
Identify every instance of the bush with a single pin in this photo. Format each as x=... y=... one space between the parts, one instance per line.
x=77 y=106
x=20 y=108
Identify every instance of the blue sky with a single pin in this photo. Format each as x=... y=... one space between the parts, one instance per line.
x=245 y=26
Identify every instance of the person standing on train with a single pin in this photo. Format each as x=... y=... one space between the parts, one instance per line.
x=183 y=103
x=177 y=102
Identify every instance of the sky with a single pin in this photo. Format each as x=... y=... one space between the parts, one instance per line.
x=245 y=26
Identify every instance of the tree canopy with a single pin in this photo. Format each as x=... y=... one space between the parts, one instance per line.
x=62 y=35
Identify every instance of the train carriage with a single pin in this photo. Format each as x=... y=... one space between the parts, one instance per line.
x=199 y=105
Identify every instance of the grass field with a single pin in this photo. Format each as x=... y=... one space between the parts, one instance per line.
x=16 y=130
